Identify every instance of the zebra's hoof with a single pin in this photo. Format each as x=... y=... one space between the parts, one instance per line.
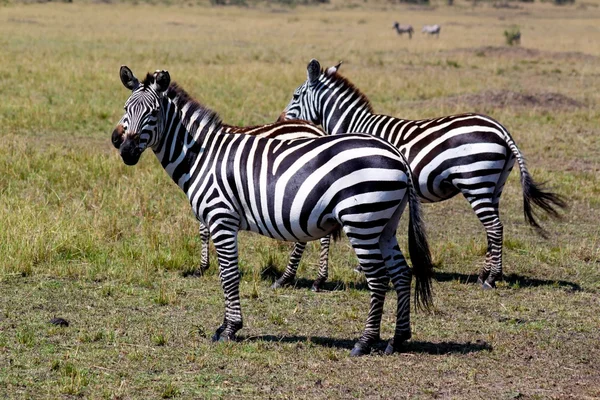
x=227 y=338
x=281 y=282
x=395 y=345
x=390 y=348
x=316 y=286
x=360 y=349
x=488 y=285
x=223 y=337
x=278 y=285
x=198 y=273
x=217 y=336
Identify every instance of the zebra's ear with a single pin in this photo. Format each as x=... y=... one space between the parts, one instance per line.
x=163 y=80
x=127 y=78
x=334 y=69
x=313 y=71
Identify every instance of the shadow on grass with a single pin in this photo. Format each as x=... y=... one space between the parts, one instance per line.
x=413 y=346
x=512 y=280
x=329 y=286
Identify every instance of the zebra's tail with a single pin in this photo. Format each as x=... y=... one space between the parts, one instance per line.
x=336 y=234
x=419 y=249
x=536 y=193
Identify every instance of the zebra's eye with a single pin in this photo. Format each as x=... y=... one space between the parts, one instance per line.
x=154 y=113
x=296 y=96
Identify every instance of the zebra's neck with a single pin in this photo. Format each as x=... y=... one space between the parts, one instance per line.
x=343 y=105
x=186 y=129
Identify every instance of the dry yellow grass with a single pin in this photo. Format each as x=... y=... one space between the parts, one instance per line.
x=84 y=237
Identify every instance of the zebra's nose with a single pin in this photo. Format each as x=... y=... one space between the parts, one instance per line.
x=117 y=136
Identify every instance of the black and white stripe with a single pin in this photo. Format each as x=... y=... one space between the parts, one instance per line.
x=283 y=130
x=296 y=190
x=470 y=154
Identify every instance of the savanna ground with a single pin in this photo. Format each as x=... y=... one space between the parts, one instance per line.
x=109 y=247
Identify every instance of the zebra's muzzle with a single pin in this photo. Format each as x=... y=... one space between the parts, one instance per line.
x=130 y=152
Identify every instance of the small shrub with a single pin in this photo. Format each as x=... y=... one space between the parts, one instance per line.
x=512 y=35
x=159 y=339
x=170 y=391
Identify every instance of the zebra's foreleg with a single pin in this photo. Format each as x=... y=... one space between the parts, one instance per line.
x=292 y=268
x=227 y=252
x=323 y=264
x=204 y=261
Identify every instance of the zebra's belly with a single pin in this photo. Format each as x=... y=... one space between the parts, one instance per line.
x=291 y=232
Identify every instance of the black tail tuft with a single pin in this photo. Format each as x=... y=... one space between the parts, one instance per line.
x=419 y=251
x=534 y=193
x=336 y=234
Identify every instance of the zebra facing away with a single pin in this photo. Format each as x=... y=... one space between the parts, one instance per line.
x=295 y=190
x=404 y=29
x=432 y=30
x=280 y=130
x=470 y=154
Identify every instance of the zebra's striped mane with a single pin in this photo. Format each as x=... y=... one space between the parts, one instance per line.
x=149 y=79
x=339 y=80
x=194 y=109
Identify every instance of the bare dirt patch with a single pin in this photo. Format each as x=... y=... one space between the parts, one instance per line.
x=506 y=98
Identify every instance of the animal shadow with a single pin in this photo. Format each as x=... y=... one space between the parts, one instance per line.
x=511 y=279
x=412 y=346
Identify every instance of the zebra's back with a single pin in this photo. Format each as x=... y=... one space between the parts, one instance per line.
x=300 y=190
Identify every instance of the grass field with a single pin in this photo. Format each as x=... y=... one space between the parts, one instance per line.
x=108 y=247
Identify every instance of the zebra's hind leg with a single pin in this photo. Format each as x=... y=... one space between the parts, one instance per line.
x=378 y=282
x=204 y=262
x=292 y=268
x=487 y=212
x=401 y=277
x=400 y=274
x=227 y=252
x=493 y=256
x=484 y=197
x=367 y=250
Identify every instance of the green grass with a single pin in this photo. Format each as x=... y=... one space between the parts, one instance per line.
x=107 y=247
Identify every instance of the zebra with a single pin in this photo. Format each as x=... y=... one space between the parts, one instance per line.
x=294 y=190
x=403 y=29
x=432 y=30
x=280 y=130
x=471 y=154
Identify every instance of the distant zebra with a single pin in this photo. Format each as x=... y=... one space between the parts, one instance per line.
x=295 y=190
x=470 y=154
x=432 y=30
x=286 y=130
x=404 y=29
